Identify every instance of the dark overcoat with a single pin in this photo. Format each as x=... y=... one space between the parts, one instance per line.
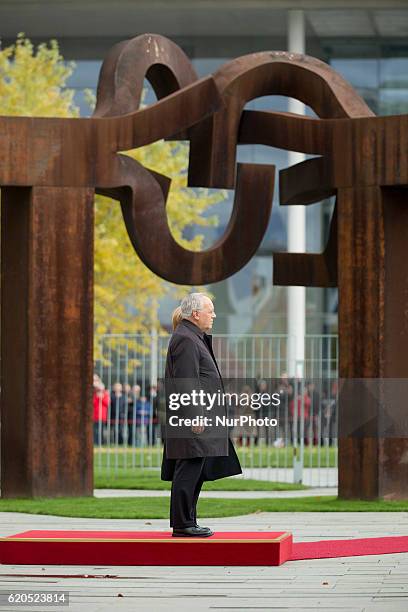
x=190 y=357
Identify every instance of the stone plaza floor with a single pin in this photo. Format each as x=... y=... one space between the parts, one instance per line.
x=370 y=583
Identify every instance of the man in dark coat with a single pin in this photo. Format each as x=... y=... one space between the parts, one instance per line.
x=201 y=453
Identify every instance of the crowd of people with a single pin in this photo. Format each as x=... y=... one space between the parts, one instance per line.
x=135 y=415
x=126 y=415
x=307 y=409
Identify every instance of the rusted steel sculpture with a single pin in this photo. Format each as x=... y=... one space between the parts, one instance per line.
x=51 y=168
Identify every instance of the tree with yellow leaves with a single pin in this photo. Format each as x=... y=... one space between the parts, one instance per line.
x=33 y=83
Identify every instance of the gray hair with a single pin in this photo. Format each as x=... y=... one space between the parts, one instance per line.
x=192 y=301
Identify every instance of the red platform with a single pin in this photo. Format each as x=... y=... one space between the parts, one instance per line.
x=144 y=548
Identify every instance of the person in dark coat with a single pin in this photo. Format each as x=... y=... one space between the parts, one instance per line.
x=118 y=412
x=203 y=454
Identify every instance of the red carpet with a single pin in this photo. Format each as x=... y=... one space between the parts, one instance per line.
x=325 y=549
x=159 y=548
x=144 y=548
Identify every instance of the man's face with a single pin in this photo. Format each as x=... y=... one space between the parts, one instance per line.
x=204 y=318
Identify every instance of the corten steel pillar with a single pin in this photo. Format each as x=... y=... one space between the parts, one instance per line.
x=47 y=322
x=373 y=325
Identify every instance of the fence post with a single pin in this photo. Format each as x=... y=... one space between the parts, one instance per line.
x=298 y=450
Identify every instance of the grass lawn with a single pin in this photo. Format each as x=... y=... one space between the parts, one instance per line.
x=136 y=478
x=255 y=456
x=149 y=508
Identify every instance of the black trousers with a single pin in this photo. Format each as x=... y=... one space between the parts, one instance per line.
x=185 y=489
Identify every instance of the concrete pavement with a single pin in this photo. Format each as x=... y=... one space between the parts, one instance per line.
x=360 y=584
x=219 y=494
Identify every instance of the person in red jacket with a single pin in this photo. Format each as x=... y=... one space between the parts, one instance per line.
x=101 y=401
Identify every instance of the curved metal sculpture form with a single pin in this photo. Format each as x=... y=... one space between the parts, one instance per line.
x=51 y=168
x=141 y=191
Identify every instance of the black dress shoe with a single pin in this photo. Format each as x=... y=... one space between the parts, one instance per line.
x=199 y=527
x=192 y=532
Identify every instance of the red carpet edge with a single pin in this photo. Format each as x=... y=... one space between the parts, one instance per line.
x=325 y=549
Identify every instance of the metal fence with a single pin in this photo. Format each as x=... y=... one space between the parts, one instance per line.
x=302 y=448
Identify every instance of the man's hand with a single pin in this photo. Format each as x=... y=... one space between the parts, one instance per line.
x=197 y=429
